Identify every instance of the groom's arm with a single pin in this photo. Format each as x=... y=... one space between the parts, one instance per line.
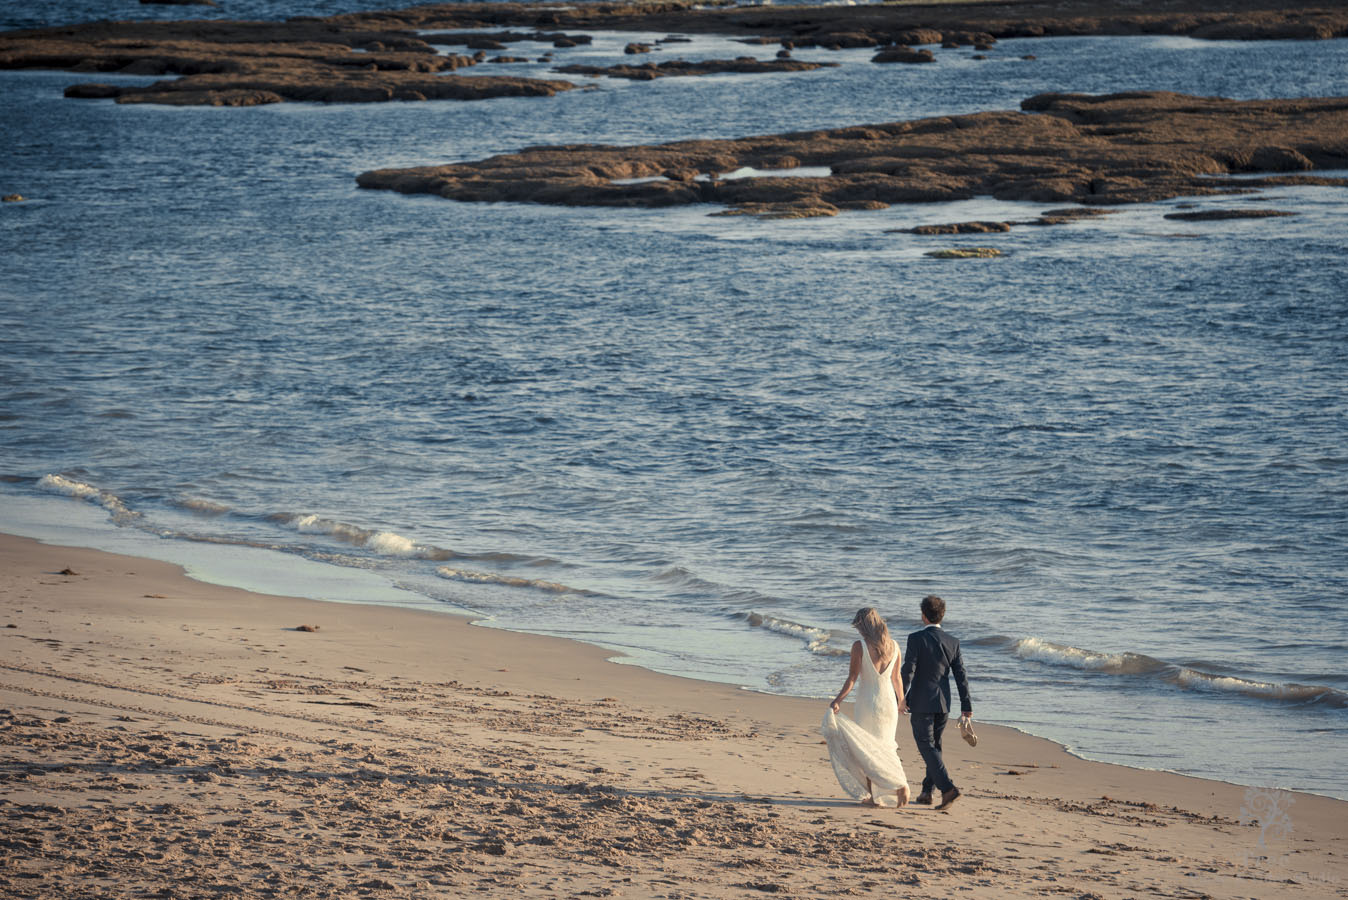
x=961 y=681
x=909 y=666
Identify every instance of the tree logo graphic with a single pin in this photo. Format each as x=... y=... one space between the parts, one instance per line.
x=1267 y=808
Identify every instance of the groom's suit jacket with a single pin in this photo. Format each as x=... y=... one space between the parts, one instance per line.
x=932 y=656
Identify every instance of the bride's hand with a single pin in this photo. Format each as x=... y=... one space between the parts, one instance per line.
x=903 y=706
x=835 y=706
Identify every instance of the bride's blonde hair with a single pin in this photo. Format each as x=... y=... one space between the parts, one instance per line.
x=874 y=631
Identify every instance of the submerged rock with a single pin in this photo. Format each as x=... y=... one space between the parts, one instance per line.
x=964 y=253
x=781 y=210
x=903 y=55
x=960 y=228
x=1215 y=215
x=681 y=68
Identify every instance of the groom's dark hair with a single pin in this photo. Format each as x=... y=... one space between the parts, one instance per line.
x=933 y=607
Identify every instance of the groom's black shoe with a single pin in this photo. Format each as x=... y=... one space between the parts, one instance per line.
x=923 y=798
x=948 y=797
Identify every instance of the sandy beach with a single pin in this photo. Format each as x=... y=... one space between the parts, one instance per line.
x=169 y=738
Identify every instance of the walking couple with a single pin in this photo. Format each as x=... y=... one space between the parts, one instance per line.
x=863 y=747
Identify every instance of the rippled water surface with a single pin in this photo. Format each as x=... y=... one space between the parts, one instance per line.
x=1118 y=450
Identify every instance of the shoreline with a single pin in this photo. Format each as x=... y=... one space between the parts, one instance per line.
x=126 y=655
x=614 y=656
x=372 y=590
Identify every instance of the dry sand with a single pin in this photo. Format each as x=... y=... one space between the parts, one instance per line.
x=167 y=738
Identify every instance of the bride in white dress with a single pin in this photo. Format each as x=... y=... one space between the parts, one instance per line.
x=864 y=751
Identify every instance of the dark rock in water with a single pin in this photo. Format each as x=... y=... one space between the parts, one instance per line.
x=1265 y=31
x=846 y=40
x=253 y=63
x=783 y=54
x=903 y=55
x=495 y=40
x=918 y=36
x=634 y=48
x=12 y=198
x=1059 y=148
x=781 y=210
x=1277 y=159
x=1215 y=215
x=1067 y=215
x=961 y=228
x=964 y=253
x=744 y=65
x=1076 y=212
x=508 y=59
x=92 y=91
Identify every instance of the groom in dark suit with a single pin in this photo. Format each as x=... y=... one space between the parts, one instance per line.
x=931 y=656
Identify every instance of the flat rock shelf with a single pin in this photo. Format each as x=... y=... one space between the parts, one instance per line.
x=1108 y=149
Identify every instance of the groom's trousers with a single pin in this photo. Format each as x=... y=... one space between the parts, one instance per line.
x=927 y=728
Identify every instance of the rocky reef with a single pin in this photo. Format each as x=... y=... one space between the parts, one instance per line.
x=249 y=63
x=744 y=65
x=379 y=56
x=1084 y=149
x=875 y=25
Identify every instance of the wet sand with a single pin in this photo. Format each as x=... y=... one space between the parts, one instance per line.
x=164 y=737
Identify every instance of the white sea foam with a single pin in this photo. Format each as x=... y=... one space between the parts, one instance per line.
x=649 y=179
x=817 y=640
x=751 y=172
x=313 y=524
x=390 y=544
x=1091 y=660
x=1289 y=692
x=506 y=580
x=202 y=507
x=1179 y=676
x=385 y=543
x=59 y=484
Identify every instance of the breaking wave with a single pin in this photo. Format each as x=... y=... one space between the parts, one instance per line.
x=385 y=543
x=58 y=484
x=817 y=640
x=201 y=507
x=1077 y=658
x=1180 y=676
x=509 y=581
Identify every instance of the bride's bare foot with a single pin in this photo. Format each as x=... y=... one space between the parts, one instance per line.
x=871 y=802
x=903 y=796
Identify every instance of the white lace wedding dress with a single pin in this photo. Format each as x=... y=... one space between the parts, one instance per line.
x=865 y=750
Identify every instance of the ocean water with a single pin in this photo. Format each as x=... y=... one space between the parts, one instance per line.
x=1118 y=451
